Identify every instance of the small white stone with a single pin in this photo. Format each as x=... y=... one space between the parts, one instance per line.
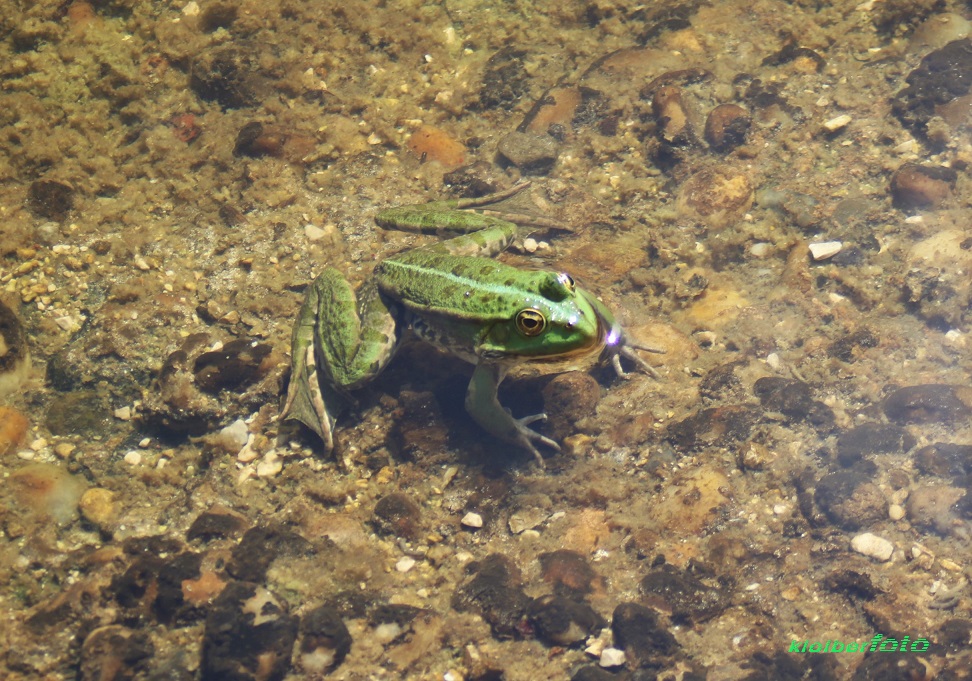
x=896 y=512
x=760 y=249
x=405 y=564
x=530 y=245
x=835 y=124
x=773 y=360
x=473 y=520
x=269 y=465
x=914 y=219
x=123 y=413
x=313 y=232
x=234 y=436
x=873 y=546
x=133 y=458
x=191 y=9
x=825 y=249
x=780 y=509
x=611 y=657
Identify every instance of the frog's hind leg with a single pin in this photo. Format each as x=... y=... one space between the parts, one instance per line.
x=336 y=346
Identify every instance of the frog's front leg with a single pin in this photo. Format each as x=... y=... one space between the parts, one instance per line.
x=483 y=405
x=337 y=345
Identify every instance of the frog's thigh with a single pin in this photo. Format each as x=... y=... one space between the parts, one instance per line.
x=355 y=340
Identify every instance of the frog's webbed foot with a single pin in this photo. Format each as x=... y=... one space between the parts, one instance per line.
x=305 y=402
x=628 y=350
x=526 y=436
x=485 y=409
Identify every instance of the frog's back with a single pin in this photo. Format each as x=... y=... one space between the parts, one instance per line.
x=467 y=287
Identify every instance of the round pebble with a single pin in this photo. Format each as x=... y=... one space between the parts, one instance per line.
x=98 y=507
x=873 y=546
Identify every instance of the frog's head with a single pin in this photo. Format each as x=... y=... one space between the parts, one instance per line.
x=556 y=321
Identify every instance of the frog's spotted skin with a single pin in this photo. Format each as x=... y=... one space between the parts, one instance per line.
x=453 y=295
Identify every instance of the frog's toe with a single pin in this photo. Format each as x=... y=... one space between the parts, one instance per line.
x=528 y=436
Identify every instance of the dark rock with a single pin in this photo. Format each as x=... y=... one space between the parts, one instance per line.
x=505 y=79
x=154 y=584
x=532 y=154
x=218 y=15
x=850 y=500
x=254 y=140
x=637 y=632
x=50 y=199
x=15 y=354
x=853 y=584
x=226 y=74
x=956 y=635
x=393 y=613
x=781 y=666
x=176 y=404
x=793 y=399
x=215 y=525
x=236 y=364
x=560 y=621
x=791 y=52
x=494 y=592
x=726 y=127
x=690 y=600
x=872 y=438
x=397 y=514
x=324 y=641
x=568 y=398
x=262 y=545
x=84 y=412
x=899 y=666
x=472 y=181
x=942 y=76
x=352 y=604
x=115 y=653
x=844 y=348
x=593 y=674
x=944 y=459
x=153 y=545
x=929 y=403
x=249 y=636
x=569 y=573
x=722 y=382
x=917 y=186
x=715 y=426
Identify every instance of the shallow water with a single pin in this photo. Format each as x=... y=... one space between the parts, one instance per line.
x=751 y=187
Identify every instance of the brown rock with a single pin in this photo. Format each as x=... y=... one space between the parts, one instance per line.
x=933 y=508
x=99 y=507
x=557 y=107
x=929 y=403
x=717 y=196
x=13 y=429
x=726 y=127
x=916 y=186
x=434 y=144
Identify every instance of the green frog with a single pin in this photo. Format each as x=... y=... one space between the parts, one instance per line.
x=453 y=295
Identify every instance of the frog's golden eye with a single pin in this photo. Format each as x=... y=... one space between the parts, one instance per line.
x=530 y=322
x=567 y=281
